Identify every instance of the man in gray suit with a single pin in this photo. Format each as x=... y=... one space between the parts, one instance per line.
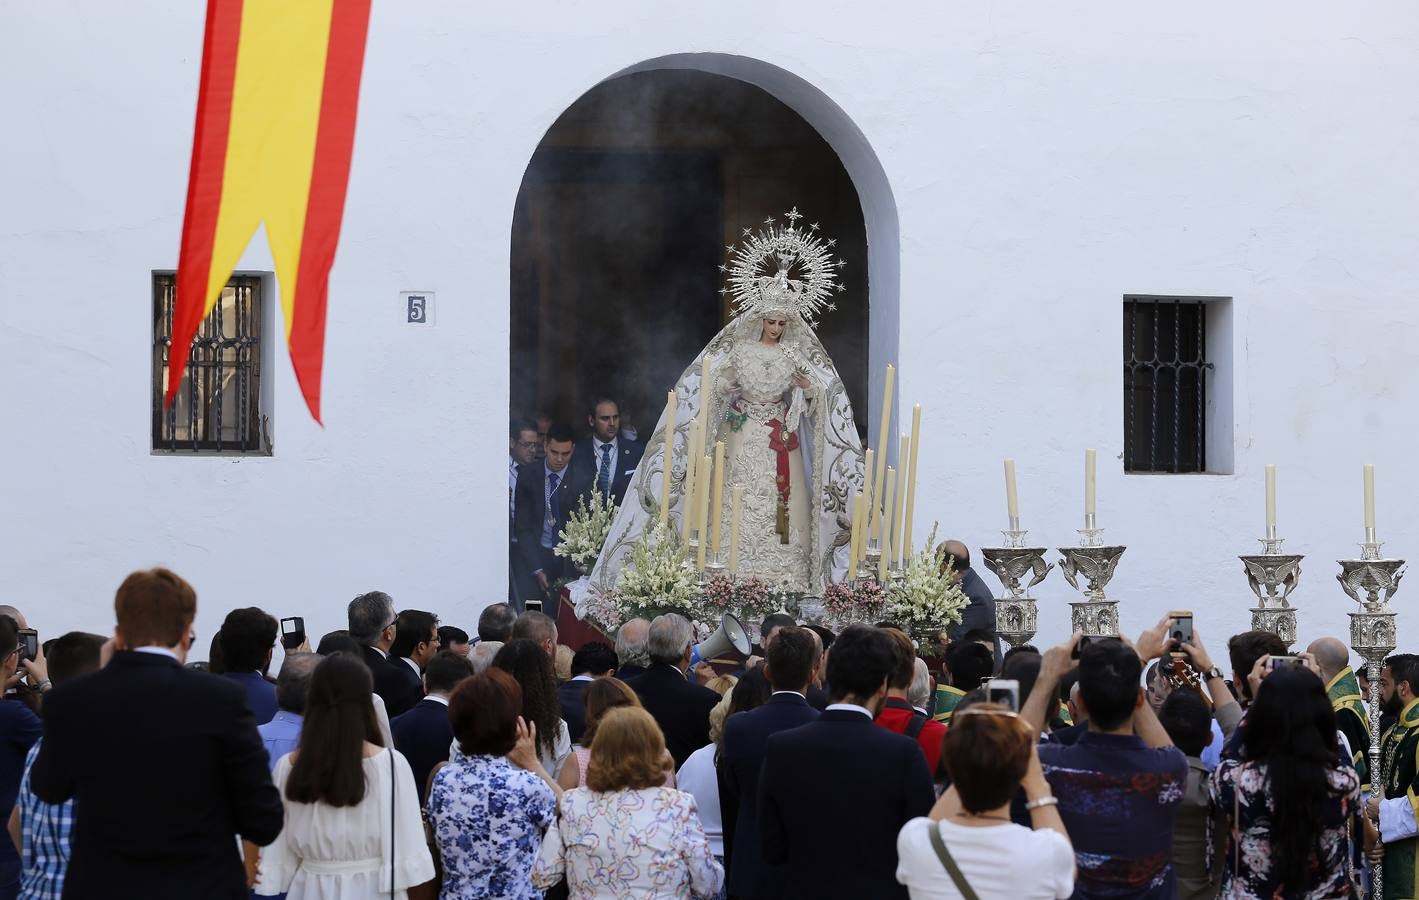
x=979 y=615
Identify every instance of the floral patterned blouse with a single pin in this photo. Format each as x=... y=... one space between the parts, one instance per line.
x=488 y=817
x=629 y=844
x=1240 y=796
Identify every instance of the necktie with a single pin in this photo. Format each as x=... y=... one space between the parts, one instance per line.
x=603 y=478
x=554 y=505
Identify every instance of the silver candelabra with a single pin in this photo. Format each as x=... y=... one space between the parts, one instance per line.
x=1371 y=581
x=1273 y=575
x=1016 y=613
x=1093 y=562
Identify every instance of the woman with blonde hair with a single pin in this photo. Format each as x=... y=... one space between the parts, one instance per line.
x=602 y=696
x=625 y=834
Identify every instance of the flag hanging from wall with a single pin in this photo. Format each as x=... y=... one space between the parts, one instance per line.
x=274 y=133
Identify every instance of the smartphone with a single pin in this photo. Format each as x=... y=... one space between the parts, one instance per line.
x=1083 y=642
x=292 y=632
x=29 y=644
x=532 y=603
x=1182 y=627
x=1282 y=662
x=1005 y=691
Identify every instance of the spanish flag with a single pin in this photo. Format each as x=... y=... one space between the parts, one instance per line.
x=275 y=128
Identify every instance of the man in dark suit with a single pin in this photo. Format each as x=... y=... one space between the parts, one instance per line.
x=423 y=734
x=610 y=456
x=631 y=650
x=979 y=615
x=416 y=640
x=247 y=637
x=680 y=708
x=546 y=495
x=524 y=446
x=372 y=626
x=164 y=763
x=592 y=661
x=834 y=793
x=793 y=657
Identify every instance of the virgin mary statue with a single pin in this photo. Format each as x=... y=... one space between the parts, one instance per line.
x=775 y=399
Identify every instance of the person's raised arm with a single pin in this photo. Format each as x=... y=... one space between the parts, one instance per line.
x=524 y=756
x=1042 y=815
x=1056 y=663
x=1225 y=707
x=1151 y=645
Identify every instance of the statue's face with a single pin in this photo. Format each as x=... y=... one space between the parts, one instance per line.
x=774 y=326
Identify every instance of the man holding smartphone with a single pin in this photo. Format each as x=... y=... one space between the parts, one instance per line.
x=1120 y=785
x=19 y=729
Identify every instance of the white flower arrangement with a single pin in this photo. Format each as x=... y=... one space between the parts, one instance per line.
x=928 y=593
x=586 y=531
x=653 y=581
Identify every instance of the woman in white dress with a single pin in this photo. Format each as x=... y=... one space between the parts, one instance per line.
x=353 y=828
x=766 y=387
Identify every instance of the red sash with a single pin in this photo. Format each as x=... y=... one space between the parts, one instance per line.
x=782 y=441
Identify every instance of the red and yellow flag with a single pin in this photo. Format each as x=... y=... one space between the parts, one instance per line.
x=275 y=129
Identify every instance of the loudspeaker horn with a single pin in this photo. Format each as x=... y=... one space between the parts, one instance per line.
x=730 y=636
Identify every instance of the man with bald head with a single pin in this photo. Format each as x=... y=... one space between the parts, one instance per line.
x=1333 y=657
x=980 y=613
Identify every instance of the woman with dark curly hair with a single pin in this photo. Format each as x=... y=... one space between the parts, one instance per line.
x=529 y=665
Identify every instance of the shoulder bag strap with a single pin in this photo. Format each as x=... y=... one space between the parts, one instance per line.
x=915 y=725
x=952 y=869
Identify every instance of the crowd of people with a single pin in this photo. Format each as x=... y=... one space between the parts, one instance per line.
x=408 y=757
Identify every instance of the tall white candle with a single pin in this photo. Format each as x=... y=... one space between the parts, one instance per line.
x=1012 y=499
x=911 y=482
x=669 y=458
x=898 y=511
x=881 y=448
x=736 y=497
x=870 y=489
x=1090 y=456
x=884 y=566
x=1270 y=499
x=690 y=516
x=1369 y=497
x=702 y=487
x=859 y=504
x=717 y=502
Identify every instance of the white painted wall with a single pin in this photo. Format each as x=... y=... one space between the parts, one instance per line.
x=1042 y=160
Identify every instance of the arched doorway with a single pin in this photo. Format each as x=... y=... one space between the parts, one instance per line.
x=626 y=208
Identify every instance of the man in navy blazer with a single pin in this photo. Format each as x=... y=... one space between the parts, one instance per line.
x=834 y=793
x=611 y=457
x=372 y=625
x=547 y=493
x=793 y=656
x=247 y=637
x=592 y=661
x=424 y=734
x=164 y=763
x=979 y=614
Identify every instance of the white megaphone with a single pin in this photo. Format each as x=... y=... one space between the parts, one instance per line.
x=730 y=636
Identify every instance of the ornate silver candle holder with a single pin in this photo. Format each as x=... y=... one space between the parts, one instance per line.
x=1273 y=575
x=692 y=553
x=713 y=569
x=1016 y=613
x=1096 y=615
x=1371 y=581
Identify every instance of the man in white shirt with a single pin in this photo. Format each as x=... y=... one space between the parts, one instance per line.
x=607 y=453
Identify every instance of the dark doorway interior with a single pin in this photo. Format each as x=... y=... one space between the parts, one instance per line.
x=621 y=226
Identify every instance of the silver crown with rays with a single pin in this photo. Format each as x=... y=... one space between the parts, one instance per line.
x=783 y=269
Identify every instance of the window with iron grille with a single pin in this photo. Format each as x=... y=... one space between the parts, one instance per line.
x=218 y=407
x=1165 y=375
